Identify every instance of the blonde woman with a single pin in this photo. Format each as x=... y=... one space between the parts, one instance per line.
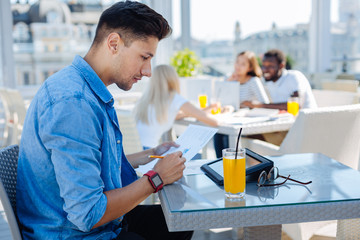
x=161 y=104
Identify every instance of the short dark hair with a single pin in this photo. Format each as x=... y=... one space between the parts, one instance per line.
x=276 y=53
x=132 y=21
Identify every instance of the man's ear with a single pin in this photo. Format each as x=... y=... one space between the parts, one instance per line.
x=113 y=42
x=282 y=65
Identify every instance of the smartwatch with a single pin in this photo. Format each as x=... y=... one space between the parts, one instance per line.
x=155 y=180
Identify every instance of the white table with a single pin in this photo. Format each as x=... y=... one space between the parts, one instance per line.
x=267 y=126
x=196 y=203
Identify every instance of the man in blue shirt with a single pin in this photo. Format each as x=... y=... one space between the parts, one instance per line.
x=74 y=180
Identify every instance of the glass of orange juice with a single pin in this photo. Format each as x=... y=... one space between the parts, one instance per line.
x=203 y=100
x=293 y=105
x=217 y=109
x=234 y=173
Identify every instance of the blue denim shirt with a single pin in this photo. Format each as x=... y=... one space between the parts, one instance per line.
x=70 y=153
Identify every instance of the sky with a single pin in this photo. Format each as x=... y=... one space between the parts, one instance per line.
x=215 y=19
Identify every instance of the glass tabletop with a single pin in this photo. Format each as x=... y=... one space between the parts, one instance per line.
x=331 y=182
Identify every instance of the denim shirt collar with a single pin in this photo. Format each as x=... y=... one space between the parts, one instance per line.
x=91 y=77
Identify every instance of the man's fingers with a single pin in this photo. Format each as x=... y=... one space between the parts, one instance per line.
x=179 y=153
x=174 y=144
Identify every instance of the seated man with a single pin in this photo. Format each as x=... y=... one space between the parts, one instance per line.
x=74 y=180
x=281 y=84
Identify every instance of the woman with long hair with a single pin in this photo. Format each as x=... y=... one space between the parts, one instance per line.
x=161 y=104
x=248 y=73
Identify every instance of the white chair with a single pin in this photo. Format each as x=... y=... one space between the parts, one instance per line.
x=341 y=85
x=346 y=76
x=333 y=131
x=15 y=111
x=327 y=98
x=348 y=229
x=9 y=125
x=317 y=78
x=131 y=137
x=18 y=110
x=8 y=173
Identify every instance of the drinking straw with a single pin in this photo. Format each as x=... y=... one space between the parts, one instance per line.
x=237 y=143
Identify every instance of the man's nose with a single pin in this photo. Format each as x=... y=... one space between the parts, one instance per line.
x=146 y=70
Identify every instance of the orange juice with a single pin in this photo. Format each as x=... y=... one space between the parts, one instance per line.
x=234 y=174
x=293 y=107
x=203 y=101
x=216 y=110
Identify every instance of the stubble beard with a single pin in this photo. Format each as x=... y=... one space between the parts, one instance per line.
x=124 y=86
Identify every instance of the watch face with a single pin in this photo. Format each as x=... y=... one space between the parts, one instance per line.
x=156 y=180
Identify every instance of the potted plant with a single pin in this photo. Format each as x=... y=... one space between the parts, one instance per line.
x=186 y=63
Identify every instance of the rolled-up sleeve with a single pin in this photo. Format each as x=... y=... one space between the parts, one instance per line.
x=71 y=132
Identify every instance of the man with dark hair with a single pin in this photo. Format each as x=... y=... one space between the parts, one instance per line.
x=74 y=180
x=282 y=84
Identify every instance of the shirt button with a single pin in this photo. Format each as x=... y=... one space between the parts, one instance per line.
x=118 y=141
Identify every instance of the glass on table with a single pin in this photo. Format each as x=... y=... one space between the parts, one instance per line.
x=203 y=100
x=216 y=106
x=293 y=105
x=234 y=165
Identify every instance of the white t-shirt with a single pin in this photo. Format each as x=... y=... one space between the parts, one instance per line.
x=151 y=133
x=253 y=90
x=289 y=82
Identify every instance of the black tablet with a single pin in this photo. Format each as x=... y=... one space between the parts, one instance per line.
x=255 y=164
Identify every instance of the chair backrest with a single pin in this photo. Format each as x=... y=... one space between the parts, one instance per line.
x=346 y=76
x=333 y=131
x=131 y=137
x=9 y=121
x=341 y=85
x=17 y=106
x=8 y=173
x=327 y=98
x=15 y=111
x=316 y=79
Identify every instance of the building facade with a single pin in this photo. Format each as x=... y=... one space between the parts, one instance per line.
x=48 y=33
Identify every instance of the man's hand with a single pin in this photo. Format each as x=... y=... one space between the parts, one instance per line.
x=251 y=104
x=171 y=167
x=162 y=148
x=248 y=104
x=141 y=158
